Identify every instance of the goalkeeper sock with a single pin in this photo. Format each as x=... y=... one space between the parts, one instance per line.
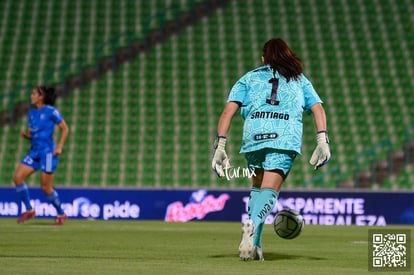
x=264 y=205
x=258 y=237
x=54 y=199
x=24 y=196
x=254 y=193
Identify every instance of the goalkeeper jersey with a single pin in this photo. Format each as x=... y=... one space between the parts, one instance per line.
x=272 y=109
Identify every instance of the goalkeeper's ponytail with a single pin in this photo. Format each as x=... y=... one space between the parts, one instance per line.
x=281 y=58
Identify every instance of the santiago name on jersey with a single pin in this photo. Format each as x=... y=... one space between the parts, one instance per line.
x=269 y=125
x=41 y=124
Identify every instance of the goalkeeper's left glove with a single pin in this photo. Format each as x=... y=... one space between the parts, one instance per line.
x=322 y=153
x=219 y=160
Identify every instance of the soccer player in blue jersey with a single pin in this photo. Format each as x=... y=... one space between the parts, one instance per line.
x=271 y=100
x=43 y=154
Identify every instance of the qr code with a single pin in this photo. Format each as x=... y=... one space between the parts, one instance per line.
x=390 y=250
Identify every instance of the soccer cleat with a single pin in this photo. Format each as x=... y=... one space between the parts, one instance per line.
x=60 y=220
x=258 y=253
x=26 y=216
x=246 y=248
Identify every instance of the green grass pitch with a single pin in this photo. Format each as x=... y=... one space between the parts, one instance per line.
x=155 y=247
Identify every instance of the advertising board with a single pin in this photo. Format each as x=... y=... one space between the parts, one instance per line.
x=327 y=208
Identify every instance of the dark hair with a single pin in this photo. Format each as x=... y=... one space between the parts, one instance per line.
x=281 y=58
x=49 y=94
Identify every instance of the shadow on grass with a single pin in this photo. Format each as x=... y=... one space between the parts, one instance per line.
x=38 y=222
x=278 y=256
x=270 y=256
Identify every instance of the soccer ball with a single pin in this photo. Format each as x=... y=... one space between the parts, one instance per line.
x=288 y=223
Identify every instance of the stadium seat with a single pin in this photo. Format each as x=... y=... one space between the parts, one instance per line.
x=357 y=54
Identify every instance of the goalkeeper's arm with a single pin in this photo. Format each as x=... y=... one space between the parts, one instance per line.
x=220 y=160
x=322 y=153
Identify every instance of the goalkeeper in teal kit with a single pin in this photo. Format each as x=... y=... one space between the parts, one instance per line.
x=271 y=100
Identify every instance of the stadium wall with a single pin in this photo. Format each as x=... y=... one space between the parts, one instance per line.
x=325 y=208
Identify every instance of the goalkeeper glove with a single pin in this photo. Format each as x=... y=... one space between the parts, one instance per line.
x=322 y=153
x=220 y=161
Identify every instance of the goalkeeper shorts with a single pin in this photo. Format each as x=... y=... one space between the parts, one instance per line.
x=271 y=159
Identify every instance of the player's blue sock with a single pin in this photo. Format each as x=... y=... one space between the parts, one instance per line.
x=54 y=199
x=24 y=196
x=264 y=205
x=254 y=193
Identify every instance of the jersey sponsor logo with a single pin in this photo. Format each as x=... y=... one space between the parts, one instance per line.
x=273 y=115
x=265 y=136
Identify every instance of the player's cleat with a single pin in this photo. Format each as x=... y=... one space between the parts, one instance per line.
x=258 y=253
x=26 y=216
x=246 y=248
x=60 y=220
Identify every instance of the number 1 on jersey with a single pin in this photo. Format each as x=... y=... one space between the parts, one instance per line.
x=272 y=100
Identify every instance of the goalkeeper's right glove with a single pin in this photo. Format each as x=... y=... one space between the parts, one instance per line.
x=219 y=160
x=322 y=153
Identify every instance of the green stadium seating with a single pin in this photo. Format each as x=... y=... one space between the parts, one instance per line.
x=152 y=122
